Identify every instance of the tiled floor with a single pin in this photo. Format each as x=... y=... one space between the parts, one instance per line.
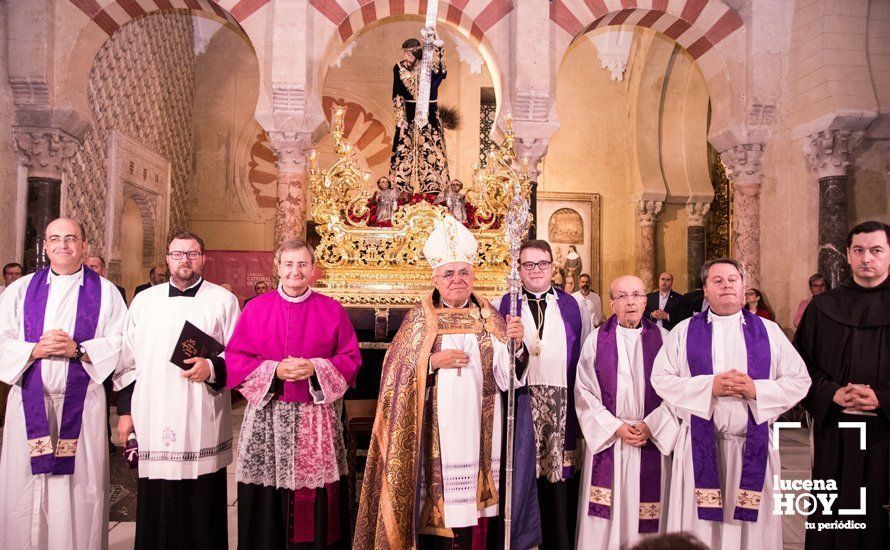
x=794 y=448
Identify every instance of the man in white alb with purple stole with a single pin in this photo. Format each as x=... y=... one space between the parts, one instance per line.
x=728 y=374
x=630 y=433
x=60 y=337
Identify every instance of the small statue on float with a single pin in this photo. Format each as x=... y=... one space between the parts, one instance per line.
x=387 y=199
x=454 y=200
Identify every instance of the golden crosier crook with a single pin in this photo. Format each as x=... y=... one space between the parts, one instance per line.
x=367 y=265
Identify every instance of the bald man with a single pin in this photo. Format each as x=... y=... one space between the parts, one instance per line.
x=60 y=337
x=629 y=431
x=97 y=264
x=664 y=307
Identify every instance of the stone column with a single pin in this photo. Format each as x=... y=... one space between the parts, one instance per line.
x=647 y=213
x=44 y=152
x=828 y=154
x=743 y=166
x=291 y=207
x=695 y=242
x=532 y=150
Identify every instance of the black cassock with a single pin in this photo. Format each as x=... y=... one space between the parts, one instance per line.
x=844 y=337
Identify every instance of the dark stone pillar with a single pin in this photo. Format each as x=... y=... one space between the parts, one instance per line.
x=695 y=255
x=533 y=206
x=833 y=229
x=44 y=205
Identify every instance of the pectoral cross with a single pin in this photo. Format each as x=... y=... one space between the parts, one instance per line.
x=428 y=34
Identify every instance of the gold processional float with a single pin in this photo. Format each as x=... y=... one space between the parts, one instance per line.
x=370 y=266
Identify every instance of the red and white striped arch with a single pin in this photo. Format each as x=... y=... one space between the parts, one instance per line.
x=111 y=15
x=697 y=25
x=473 y=17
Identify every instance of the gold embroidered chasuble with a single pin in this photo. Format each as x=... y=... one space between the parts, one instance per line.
x=406 y=426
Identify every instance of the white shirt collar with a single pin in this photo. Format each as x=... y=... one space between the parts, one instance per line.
x=737 y=316
x=629 y=331
x=294 y=299
x=78 y=275
x=543 y=292
x=465 y=304
x=196 y=283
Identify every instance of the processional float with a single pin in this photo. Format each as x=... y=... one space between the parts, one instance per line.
x=366 y=265
x=369 y=266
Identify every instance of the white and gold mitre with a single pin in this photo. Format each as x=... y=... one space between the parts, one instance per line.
x=450 y=242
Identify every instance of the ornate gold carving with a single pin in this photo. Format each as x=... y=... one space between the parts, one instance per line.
x=369 y=265
x=718 y=220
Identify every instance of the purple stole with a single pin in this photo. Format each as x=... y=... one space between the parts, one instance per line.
x=708 y=496
x=43 y=459
x=571 y=318
x=602 y=475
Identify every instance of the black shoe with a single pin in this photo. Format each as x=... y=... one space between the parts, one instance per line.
x=112 y=448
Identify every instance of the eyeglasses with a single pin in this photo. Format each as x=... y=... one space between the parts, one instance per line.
x=542 y=265
x=179 y=254
x=462 y=274
x=634 y=296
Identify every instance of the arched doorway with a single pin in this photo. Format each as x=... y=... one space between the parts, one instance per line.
x=634 y=132
x=134 y=272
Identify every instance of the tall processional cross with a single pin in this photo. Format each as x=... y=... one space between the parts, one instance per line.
x=430 y=41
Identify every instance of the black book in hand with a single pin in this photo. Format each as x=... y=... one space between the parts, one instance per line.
x=194 y=342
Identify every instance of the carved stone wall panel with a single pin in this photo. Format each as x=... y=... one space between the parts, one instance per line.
x=138 y=174
x=142 y=83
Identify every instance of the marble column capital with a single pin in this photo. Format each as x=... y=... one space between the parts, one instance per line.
x=696 y=212
x=647 y=211
x=743 y=163
x=290 y=151
x=44 y=151
x=829 y=152
x=532 y=149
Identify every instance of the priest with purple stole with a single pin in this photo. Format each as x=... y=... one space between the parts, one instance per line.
x=293 y=355
x=433 y=477
x=555 y=325
x=60 y=338
x=630 y=433
x=728 y=374
x=182 y=419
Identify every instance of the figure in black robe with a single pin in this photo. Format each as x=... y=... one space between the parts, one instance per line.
x=418 y=163
x=844 y=337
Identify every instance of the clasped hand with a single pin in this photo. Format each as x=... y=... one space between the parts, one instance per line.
x=857 y=397
x=293 y=369
x=456 y=359
x=200 y=370
x=634 y=435
x=734 y=383
x=54 y=343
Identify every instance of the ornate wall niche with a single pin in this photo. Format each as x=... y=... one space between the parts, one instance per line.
x=135 y=172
